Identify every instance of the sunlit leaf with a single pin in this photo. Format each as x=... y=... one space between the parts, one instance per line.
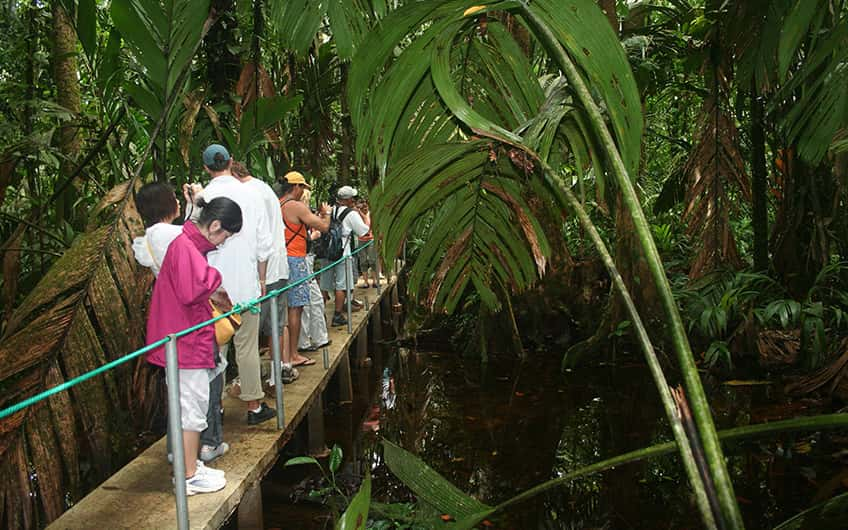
x=428 y=485
x=355 y=517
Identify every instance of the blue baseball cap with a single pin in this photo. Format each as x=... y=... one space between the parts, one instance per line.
x=215 y=157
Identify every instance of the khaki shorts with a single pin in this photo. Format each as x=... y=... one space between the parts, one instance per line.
x=282 y=310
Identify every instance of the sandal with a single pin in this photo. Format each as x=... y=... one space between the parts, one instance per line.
x=307 y=362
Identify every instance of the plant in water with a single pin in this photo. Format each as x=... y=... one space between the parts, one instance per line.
x=334 y=462
x=435 y=494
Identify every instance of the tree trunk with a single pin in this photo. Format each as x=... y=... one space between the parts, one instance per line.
x=759 y=197
x=800 y=241
x=222 y=65
x=66 y=78
x=346 y=156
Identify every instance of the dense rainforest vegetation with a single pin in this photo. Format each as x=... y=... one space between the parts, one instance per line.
x=667 y=176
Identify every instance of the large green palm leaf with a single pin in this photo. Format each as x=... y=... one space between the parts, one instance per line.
x=482 y=232
x=298 y=21
x=437 y=72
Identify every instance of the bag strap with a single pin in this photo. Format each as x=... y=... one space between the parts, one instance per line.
x=295 y=232
x=341 y=218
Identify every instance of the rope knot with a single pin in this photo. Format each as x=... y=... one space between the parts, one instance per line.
x=250 y=305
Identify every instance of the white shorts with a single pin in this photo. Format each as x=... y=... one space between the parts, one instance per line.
x=194 y=398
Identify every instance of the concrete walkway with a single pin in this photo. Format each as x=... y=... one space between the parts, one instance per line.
x=140 y=495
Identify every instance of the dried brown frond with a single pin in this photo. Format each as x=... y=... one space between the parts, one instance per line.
x=524 y=222
x=714 y=168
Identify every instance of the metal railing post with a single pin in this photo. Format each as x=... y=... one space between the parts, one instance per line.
x=349 y=291
x=276 y=361
x=172 y=377
x=326 y=358
x=378 y=266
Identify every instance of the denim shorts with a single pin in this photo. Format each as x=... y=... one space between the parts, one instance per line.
x=335 y=278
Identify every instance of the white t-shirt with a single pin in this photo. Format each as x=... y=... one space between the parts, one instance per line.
x=150 y=248
x=236 y=259
x=352 y=222
x=278 y=263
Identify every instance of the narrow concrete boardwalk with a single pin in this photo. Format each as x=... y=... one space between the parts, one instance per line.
x=140 y=495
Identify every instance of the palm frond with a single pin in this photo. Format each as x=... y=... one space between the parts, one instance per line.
x=86 y=311
x=483 y=232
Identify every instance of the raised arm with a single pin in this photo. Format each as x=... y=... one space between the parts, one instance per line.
x=300 y=211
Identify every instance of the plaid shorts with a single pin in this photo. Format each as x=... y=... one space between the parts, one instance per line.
x=299 y=294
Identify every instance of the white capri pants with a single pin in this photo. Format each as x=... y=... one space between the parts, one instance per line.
x=313 y=322
x=194 y=398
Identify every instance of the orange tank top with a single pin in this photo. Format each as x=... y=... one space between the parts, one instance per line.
x=295 y=236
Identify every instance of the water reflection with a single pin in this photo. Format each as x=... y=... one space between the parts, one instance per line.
x=499 y=429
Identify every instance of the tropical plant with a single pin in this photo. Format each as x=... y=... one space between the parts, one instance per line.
x=334 y=462
x=457 y=94
x=52 y=338
x=78 y=317
x=297 y=23
x=164 y=37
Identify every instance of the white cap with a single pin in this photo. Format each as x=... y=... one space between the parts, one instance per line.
x=346 y=192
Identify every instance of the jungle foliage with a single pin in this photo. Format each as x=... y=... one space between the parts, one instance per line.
x=495 y=139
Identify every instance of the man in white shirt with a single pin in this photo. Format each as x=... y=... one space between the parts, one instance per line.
x=242 y=261
x=278 y=267
x=335 y=279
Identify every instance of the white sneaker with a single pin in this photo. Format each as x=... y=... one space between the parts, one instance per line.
x=203 y=482
x=209 y=453
x=203 y=468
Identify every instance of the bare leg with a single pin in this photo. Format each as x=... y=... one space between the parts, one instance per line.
x=295 y=314
x=284 y=345
x=340 y=300
x=191 y=446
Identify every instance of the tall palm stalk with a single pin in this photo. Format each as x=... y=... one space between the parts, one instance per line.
x=478 y=82
x=695 y=391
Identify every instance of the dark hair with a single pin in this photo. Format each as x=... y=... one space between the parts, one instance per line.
x=220 y=209
x=155 y=202
x=285 y=187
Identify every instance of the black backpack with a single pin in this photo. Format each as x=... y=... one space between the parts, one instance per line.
x=331 y=244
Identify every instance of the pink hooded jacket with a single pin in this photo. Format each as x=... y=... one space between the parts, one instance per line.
x=181 y=300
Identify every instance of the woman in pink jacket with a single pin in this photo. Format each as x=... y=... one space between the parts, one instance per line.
x=180 y=300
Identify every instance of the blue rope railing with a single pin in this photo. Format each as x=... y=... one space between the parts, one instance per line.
x=250 y=305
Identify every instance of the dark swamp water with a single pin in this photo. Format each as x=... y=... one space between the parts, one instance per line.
x=495 y=431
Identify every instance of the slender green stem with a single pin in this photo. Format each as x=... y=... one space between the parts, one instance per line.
x=694 y=390
x=660 y=381
x=826 y=421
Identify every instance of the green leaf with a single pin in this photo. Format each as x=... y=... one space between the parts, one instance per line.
x=298 y=460
x=87 y=26
x=581 y=27
x=297 y=23
x=258 y=118
x=355 y=516
x=441 y=71
x=795 y=28
x=145 y=99
x=136 y=24
x=428 y=485
x=335 y=459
